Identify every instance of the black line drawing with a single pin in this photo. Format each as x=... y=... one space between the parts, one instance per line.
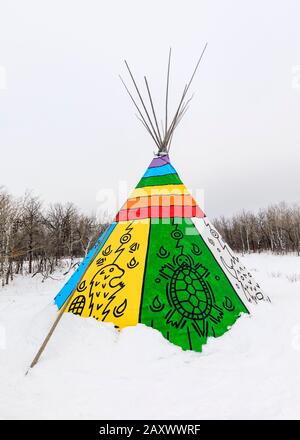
x=236 y=272
x=77 y=305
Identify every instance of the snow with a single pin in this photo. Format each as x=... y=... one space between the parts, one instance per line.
x=90 y=370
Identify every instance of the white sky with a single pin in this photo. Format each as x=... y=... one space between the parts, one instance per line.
x=67 y=127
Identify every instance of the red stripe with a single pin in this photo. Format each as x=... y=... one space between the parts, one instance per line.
x=159 y=212
x=158 y=200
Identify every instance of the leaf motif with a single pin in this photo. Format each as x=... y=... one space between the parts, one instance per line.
x=163 y=253
x=119 y=310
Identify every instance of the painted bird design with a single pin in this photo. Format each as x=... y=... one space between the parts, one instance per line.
x=104 y=286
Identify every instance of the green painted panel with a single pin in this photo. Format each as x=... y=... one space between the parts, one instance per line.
x=168 y=179
x=186 y=294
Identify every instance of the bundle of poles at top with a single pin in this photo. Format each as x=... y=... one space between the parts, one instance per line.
x=147 y=116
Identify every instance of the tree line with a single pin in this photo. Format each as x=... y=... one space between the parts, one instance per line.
x=36 y=239
x=275 y=229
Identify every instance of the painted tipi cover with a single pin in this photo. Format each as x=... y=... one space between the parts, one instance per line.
x=162 y=263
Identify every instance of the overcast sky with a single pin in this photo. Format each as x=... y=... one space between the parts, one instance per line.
x=67 y=127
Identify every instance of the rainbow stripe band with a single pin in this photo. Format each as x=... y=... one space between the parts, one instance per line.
x=159 y=194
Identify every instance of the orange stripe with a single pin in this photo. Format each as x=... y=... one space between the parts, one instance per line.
x=156 y=200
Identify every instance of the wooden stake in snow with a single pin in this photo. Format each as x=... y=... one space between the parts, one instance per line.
x=43 y=346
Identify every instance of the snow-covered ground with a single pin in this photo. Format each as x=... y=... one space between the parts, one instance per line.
x=89 y=370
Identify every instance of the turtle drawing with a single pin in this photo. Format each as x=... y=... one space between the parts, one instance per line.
x=188 y=291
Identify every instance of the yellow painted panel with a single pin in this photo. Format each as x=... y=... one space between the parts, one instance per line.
x=111 y=288
x=159 y=190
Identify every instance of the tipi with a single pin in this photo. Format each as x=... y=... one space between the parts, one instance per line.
x=161 y=262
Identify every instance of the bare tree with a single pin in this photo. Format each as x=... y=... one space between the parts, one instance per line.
x=31 y=221
x=275 y=229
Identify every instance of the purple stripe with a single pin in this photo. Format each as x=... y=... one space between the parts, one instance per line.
x=159 y=161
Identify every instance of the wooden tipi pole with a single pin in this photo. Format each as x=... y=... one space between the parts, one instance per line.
x=43 y=346
x=61 y=311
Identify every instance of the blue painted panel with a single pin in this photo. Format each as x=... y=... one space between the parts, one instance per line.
x=71 y=284
x=160 y=171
